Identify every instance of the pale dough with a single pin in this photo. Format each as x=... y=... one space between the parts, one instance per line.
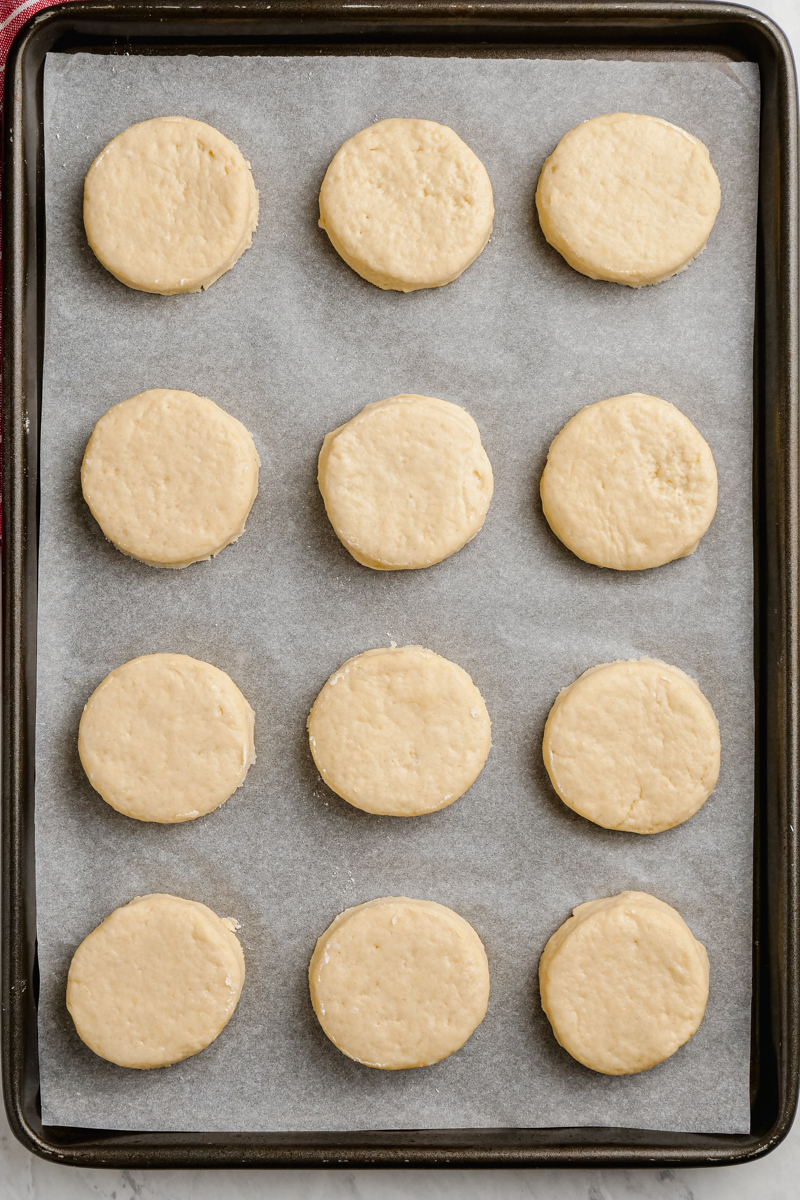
x=169 y=205
x=629 y=484
x=399 y=731
x=399 y=983
x=406 y=482
x=623 y=983
x=170 y=477
x=407 y=204
x=633 y=745
x=166 y=738
x=157 y=981
x=628 y=198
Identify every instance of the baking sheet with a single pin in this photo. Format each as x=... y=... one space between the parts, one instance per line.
x=293 y=343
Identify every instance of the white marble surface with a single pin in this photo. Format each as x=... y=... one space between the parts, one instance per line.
x=777 y=1177
x=23 y=1177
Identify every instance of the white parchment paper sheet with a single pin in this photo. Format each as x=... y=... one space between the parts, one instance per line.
x=293 y=343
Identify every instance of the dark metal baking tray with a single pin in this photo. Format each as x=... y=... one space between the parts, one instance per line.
x=530 y=28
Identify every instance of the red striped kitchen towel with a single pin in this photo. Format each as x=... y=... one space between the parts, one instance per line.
x=13 y=15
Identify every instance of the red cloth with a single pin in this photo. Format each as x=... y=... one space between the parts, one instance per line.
x=13 y=15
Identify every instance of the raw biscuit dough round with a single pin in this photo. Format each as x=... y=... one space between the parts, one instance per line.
x=406 y=482
x=170 y=477
x=624 y=983
x=169 y=205
x=633 y=745
x=399 y=983
x=628 y=198
x=166 y=738
x=407 y=204
x=629 y=484
x=157 y=981
x=399 y=731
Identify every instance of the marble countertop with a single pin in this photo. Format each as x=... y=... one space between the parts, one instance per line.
x=24 y=1177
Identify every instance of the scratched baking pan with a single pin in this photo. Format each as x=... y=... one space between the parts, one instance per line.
x=530 y=29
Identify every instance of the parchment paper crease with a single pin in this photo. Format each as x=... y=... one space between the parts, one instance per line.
x=292 y=342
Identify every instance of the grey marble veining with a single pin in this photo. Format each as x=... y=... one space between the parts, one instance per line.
x=23 y=1177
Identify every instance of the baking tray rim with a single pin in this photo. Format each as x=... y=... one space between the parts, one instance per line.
x=544 y=24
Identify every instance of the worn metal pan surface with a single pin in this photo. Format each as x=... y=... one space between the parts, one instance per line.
x=533 y=28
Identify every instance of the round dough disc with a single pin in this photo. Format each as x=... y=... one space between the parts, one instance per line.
x=170 y=477
x=406 y=482
x=633 y=745
x=628 y=198
x=407 y=204
x=166 y=738
x=399 y=731
x=399 y=983
x=169 y=205
x=156 y=982
x=629 y=484
x=623 y=983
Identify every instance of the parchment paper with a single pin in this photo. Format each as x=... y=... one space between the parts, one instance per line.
x=293 y=342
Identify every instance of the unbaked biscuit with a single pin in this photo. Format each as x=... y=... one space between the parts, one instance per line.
x=169 y=205
x=407 y=204
x=157 y=981
x=633 y=745
x=399 y=731
x=166 y=738
x=170 y=477
x=629 y=484
x=406 y=482
x=399 y=983
x=624 y=983
x=628 y=198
